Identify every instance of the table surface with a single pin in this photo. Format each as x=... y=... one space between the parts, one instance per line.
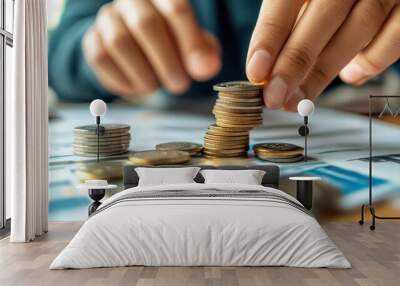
x=305 y=178
x=338 y=150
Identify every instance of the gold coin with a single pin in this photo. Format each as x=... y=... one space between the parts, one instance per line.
x=223 y=135
x=100 y=171
x=235 y=120
x=224 y=155
x=156 y=157
x=215 y=158
x=291 y=159
x=226 y=138
x=240 y=96
x=237 y=115
x=231 y=125
x=247 y=109
x=106 y=129
x=219 y=107
x=225 y=145
x=217 y=128
x=276 y=147
x=240 y=104
x=192 y=148
x=277 y=150
x=286 y=154
x=110 y=136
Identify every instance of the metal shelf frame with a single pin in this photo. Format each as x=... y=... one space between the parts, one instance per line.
x=370 y=205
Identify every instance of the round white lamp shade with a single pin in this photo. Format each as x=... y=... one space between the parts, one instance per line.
x=305 y=107
x=98 y=107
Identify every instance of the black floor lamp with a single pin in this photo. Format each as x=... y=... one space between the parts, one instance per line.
x=305 y=108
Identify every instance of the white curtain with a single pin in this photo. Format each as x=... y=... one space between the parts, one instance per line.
x=26 y=123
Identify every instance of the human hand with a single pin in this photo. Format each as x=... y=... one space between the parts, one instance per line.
x=136 y=46
x=298 y=47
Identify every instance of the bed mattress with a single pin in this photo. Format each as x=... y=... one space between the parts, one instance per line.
x=201 y=225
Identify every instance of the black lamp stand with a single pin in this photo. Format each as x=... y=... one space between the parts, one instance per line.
x=304 y=131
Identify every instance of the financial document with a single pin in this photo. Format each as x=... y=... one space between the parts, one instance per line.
x=337 y=145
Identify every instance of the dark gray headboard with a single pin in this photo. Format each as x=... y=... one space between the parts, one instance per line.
x=271 y=177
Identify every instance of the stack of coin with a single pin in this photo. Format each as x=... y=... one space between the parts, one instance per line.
x=192 y=148
x=278 y=152
x=157 y=157
x=114 y=139
x=238 y=109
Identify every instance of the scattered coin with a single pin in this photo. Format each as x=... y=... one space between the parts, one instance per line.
x=104 y=170
x=191 y=148
x=278 y=152
x=157 y=157
x=282 y=160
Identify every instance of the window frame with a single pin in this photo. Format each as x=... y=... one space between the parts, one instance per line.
x=6 y=39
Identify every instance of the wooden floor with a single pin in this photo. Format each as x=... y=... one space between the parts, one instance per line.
x=375 y=257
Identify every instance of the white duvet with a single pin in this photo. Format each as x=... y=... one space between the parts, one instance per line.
x=200 y=231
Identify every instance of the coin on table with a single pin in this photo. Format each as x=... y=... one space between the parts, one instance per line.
x=237 y=86
x=157 y=157
x=244 y=120
x=237 y=131
x=101 y=148
x=285 y=149
x=225 y=145
x=192 y=148
x=227 y=133
x=281 y=160
x=104 y=170
x=242 y=96
x=231 y=125
x=241 y=108
x=252 y=115
x=210 y=153
x=224 y=108
x=110 y=136
x=226 y=138
x=106 y=129
x=239 y=104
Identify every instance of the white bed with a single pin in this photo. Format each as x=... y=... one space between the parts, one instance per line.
x=267 y=229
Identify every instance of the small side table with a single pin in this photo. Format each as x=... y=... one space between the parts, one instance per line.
x=305 y=190
x=96 y=190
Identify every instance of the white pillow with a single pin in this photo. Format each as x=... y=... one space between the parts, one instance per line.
x=165 y=176
x=247 y=177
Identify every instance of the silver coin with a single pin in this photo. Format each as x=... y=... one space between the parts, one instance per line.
x=107 y=129
x=237 y=86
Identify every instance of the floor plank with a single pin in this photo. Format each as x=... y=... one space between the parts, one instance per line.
x=375 y=257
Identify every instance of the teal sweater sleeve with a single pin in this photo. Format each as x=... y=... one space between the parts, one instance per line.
x=73 y=80
x=69 y=74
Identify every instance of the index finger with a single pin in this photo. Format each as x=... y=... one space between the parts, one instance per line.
x=274 y=24
x=199 y=54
